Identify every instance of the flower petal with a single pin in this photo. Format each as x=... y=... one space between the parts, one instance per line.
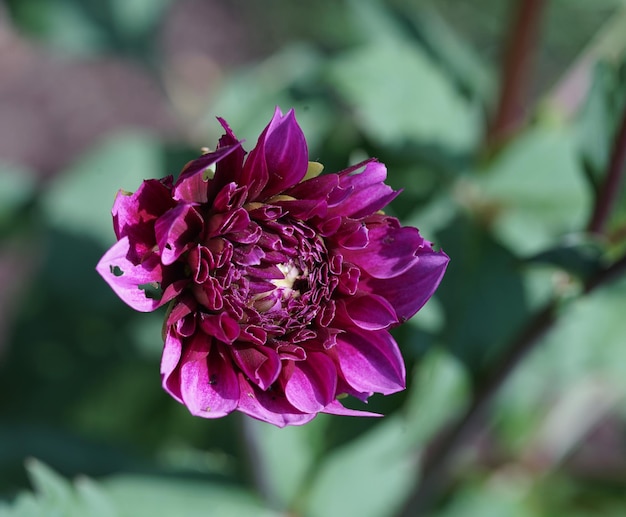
x=369 y=312
x=220 y=326
x=261 y=364
x=125 y=278
x=279 y=159
x=209 y=386
x=391 y=249
x=368 y=192
x=176 y=231
x=312 y=384
x=286 y=153
x=172 y=351
x=149 y=202
x=409 y=291
x=370 y=362
x=336 y=408
x=269 y=406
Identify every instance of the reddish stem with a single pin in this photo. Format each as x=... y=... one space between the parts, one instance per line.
x=515 y=78
x=609 y=190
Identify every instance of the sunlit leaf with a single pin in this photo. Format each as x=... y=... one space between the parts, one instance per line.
x=535 y=191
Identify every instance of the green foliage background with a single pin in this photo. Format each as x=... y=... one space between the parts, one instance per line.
x=85 y=428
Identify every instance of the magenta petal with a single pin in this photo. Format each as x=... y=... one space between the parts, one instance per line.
x=370 y=312
x=269 y=406
x=172 y=352
x=286 y=153
x=261 y=364
x=370 y=362
x=409 y=291
x=220 y=326
x=200 y=165
x=176 y=230
x=335 y=408
x=151 y=199
x=368 y=194
x=312 y=384
x=125 y=278
x=209 y=386
x=391 y=249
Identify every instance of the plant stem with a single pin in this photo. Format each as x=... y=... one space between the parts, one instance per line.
x=442 y=452
x=515 y=76
x=609 y=191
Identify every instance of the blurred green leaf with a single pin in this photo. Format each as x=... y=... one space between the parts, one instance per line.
x=576 y=254
x=137 y=17
x=586 y=347
x=289 y=455
x=17 y=201
x=535 y=191
x=80 y=200
x=439 y=390
x=397 y=94
x=482 y=294
x=142 y=496
x=56 y=497
x=369 y=477
x=505 y=494
x=457 y=58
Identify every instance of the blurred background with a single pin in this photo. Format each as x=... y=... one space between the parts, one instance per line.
x=497 y=118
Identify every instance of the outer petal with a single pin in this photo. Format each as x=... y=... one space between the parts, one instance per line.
x=370 y=362
x=312 y=384
x=409 y=291
x=279 y=160
x=229 y=168
x=286 y=153
x=260 y=364
x=368 y=194
x=369 y=312
x=200 y=165
x=175 y=231
x=208 y=383
x=150 y=201
x=335 y=408
x=270 y=406
x=391 y=249
x=172 y=352
x=126 y=285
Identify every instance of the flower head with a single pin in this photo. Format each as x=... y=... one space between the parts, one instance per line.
x=282 y=283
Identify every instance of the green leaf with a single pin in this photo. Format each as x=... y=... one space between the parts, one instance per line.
x=583 y=357
x=288 y=454
x=397 y=94
x=458 y=59
x=483 y=282
x=577 y=254
x=439 y=390
x=535 y=191
x=142 y=496
x=497 y=497
x=17 y=194
x=137 y=17
x=370 y=477
x=56 y=497
x=80 y=200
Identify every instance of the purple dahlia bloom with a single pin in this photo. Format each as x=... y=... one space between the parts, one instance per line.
x=282 y=283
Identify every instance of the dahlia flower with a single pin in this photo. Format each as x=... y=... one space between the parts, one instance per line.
x=282 y=283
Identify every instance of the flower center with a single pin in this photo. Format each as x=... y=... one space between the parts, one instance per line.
x=287 y=288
